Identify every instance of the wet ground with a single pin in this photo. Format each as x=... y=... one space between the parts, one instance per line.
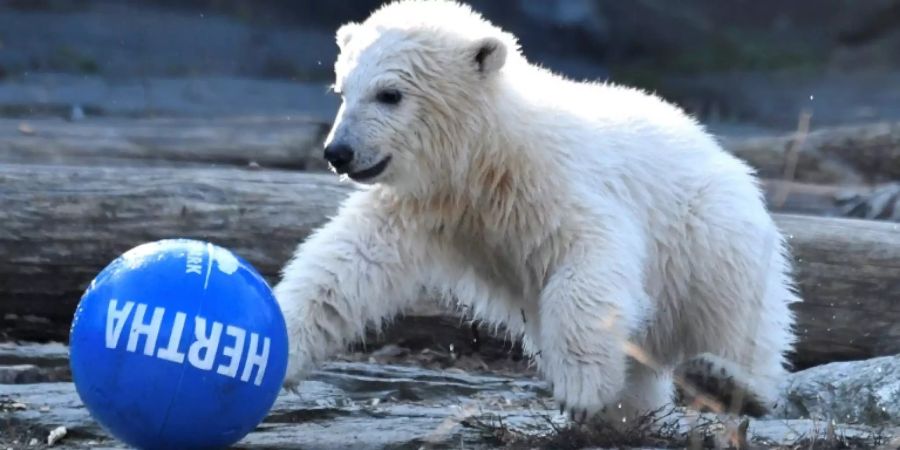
x=370 y=401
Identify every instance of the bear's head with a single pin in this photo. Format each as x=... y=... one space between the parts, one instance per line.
x=416 y=80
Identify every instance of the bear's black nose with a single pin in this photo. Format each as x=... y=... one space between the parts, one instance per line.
x=339 y=155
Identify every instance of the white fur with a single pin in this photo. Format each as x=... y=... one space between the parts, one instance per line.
x=599 y=223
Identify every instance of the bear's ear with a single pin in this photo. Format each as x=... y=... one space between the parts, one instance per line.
x=345 y=33
x=488 y=54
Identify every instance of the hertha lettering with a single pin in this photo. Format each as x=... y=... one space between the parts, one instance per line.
x=238 y=350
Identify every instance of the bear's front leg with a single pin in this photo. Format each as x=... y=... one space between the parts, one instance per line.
x=354 y=272
x=588 y=309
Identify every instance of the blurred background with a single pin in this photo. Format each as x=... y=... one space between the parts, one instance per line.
x=742 y=66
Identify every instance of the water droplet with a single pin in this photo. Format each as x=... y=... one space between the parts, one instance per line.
x=828 y=330
x=620 y=406
x=623 y=420
x=812 y=97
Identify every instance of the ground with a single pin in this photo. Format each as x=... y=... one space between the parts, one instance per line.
x=397 y=397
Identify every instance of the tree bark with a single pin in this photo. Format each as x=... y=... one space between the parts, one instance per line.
x=851 y=154
x=275 y=142
x=59 y=225
x=848 y=273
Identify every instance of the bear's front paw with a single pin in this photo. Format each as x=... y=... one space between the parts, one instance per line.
x=292 y=380
x=583 y=390
x=297 y=371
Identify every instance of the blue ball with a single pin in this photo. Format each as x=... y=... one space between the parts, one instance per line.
x=178 y=344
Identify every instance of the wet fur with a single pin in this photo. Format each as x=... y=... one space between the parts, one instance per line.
x=598 y=223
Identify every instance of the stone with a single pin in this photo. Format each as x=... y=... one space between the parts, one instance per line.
x=344 y=405
x=19 y=373
x=855 y=392
x=28 y=362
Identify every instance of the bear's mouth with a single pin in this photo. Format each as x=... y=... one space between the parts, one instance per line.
x=371 y=172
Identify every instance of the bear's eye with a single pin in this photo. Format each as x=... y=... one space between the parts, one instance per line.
x=388 y=96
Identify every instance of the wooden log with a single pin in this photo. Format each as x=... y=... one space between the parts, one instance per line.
x=804 y=198
x=59 y=225
x=879 y=202
x=848 y=274
x=275 y=142
x=869 y=153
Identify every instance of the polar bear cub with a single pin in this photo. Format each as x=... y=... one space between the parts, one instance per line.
x=601 y=225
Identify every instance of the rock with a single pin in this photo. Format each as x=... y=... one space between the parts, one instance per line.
x=20 y=373
x=334 y=409
x=866 y=392
x=356 y=405
x=55 y=435
x=34 y=353
x=362 y=405
x=790 y=433
x=33 y=362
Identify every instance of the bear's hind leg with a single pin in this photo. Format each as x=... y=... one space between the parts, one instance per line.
x=710 y=382
x=739 y=313
x=744 y=364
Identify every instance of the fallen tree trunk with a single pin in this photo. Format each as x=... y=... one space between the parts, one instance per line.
x=879 y=202
x=60 y=225
x=848 y=274
x=276 y=142
x=295 y=143
x=805 y=198
x=851 y=154
x=867 y=153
